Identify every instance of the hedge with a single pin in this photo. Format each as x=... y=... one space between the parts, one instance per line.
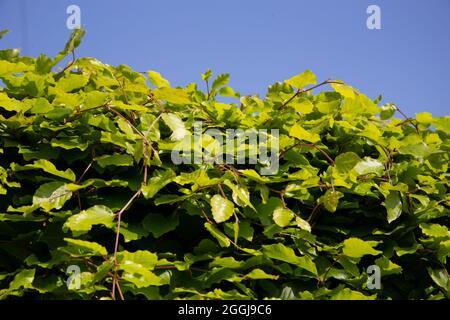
x=94 y=206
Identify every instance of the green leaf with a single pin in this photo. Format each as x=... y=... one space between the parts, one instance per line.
x=302 y=106
x=24 y=279
x=330 y=199
x=440 y=277
x=157 y=80
x=283 y=217
x=137 y=266
x=41 y=106
x=87 y=247
x=348 y=294
x=387 y=111
x=220 y=237
x=220 y=81
x=71 y=45
x=70 y=143
x=3 y=32
x=11 y=104
x=7 y=68
x=18 y=217
x=177 y=126
x=84 y=220
x=222 y=209
x=114 y=160
x=281 y=252
x=369 y=165
x=207 y=75
x=257 y=274
x=424 y=117
x=144 y=258
x=297 y=131
x=226 y=262
x=241 y=195
x=228 y=92
x=442 y=123
x=159 y=224
x=172 y=95
x=72 y=82
x=419 y=150
x=95 y=99
x=388 y=267
x=357 y=248
x=52 y=195
x=435 y=230
x=345 y=162
x=48 y=167
x=393 y=204
x=345 y=90
x=304 y=79
x=245 y=230
x=159 y=180
x=303 y=224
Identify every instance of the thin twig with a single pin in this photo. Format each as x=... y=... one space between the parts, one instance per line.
x=153 y=123
x=300 y=91
x=79 y=200
x=85 y=171
x=119 y=290
x=131 y=125
x=206 y=216
x=207 y=89
x=221 y=191
x=116 y=246
x=313 y=212
x=145 y=173
x=70 y=63
x=311 y=145
x=407 y=119
x=122 y=88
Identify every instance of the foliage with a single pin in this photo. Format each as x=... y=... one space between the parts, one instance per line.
x=85 y=155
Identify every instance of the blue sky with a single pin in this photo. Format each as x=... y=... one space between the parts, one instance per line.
x=257 y=41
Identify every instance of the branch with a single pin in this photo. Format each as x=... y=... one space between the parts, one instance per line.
x=300 y=91
x=313 y=213
x=116 y=246
x=85 y=171
x=310 y=145
x=407 y=119
x=69 y=65
x=131 y=125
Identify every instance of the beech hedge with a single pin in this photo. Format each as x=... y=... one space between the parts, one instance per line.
x=93 y=205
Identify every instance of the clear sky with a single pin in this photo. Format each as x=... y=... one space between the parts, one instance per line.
x=257 y=41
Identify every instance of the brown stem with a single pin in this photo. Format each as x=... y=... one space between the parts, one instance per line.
x=313 y=212
x=85 y=171
x=121 y=86
x=310 y=145
x=300 y=91
x=207 y=89
x=116 y=246
x=145 y=173
x=219 y=186
x=79 y=200
x=70 y=63
x=407 y=119
x=131 y=125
